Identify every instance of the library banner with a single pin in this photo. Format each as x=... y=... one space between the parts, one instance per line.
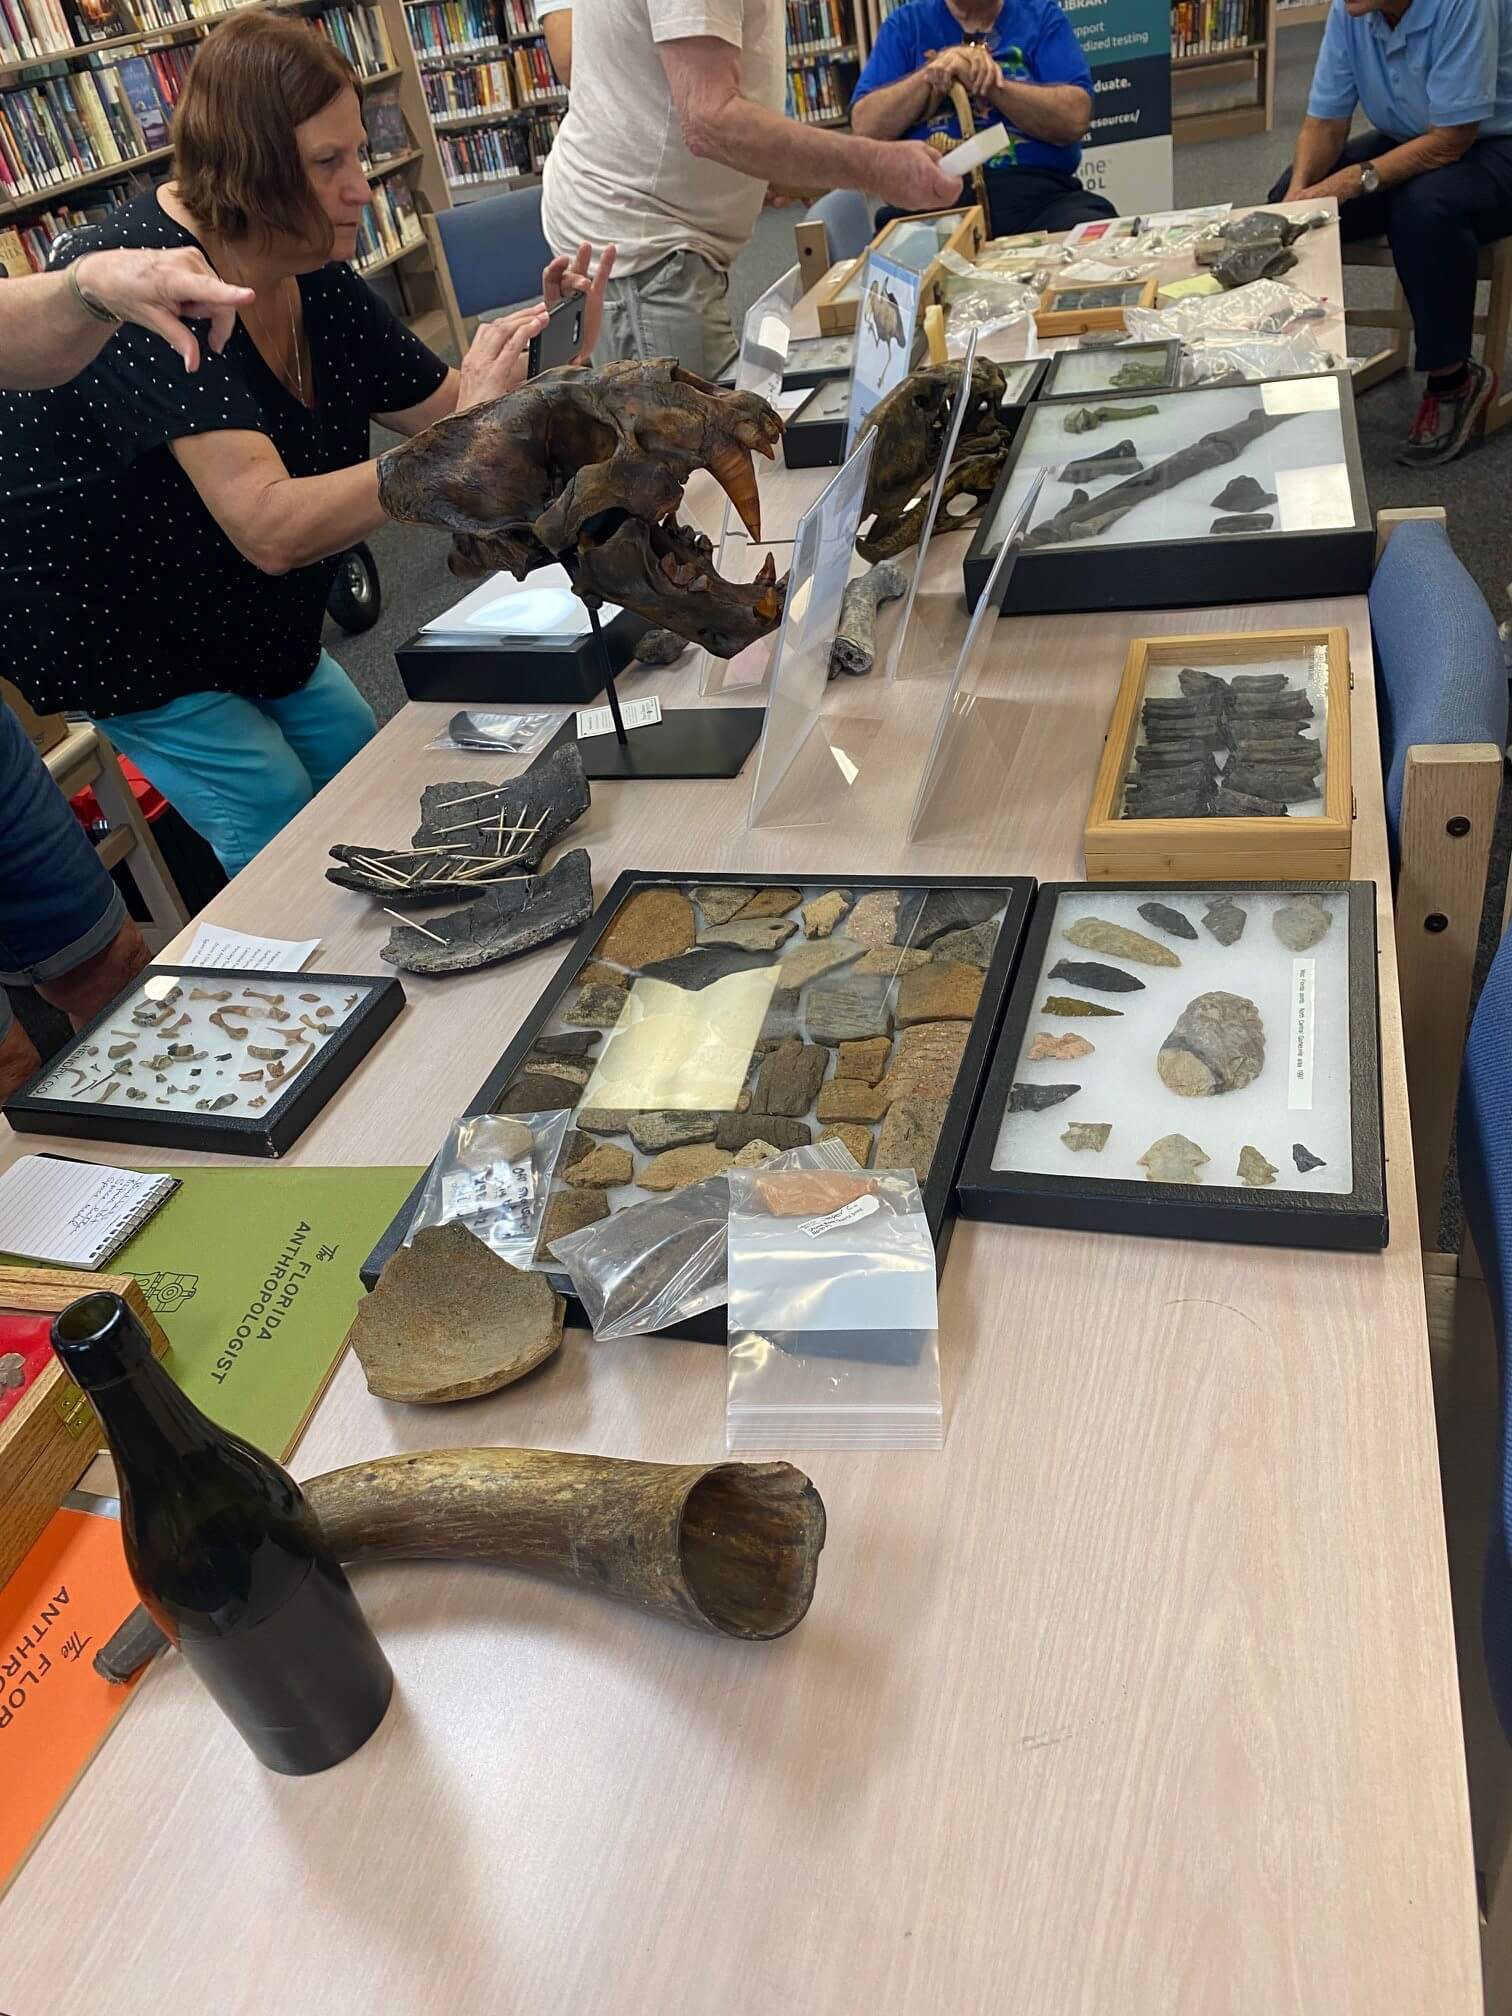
x=1128 y=152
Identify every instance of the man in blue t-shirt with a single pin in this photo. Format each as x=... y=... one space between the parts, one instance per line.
x=1434 y=78
x=1021 y=65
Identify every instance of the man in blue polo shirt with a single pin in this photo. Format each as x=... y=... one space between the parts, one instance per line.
x=1020 y=64
x=1434 y=78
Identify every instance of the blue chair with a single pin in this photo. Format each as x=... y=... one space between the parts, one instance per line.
x=1441 y=688
x=847 y=219
x=489 y=255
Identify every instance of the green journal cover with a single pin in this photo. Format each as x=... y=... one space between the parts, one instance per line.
x=253 y=1275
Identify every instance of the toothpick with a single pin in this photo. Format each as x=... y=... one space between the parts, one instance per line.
x=410 y=924
x=377 y=868
x=471 y=798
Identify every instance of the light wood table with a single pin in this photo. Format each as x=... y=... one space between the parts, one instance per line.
x=1139 y=1698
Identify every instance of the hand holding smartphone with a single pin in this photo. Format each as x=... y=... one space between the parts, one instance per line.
x=561 y=339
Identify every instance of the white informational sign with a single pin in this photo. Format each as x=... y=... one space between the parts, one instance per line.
x=634 y=714
x=822 y=555
x=885 y=324
x=219 y=945
x=900 y=664
x=1127 y=157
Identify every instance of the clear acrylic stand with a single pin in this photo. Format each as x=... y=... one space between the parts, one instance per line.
x=928 y=619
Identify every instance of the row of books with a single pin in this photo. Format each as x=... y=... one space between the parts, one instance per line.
x=77 y=123
x=519 y=17
x=362 y=36
x=814 y=26
x=473 y=87
x=38 y=28
x=456 y=27
x=1208 y=27
x=498 y=153
x=389 y=223
x=819 y=91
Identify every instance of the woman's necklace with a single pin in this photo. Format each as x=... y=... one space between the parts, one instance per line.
x=295 y=382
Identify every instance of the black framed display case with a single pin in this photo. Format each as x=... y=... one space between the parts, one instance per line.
x=814 y=437
x=208 y=1058
x=1283 y=456
x=498 y=671
x=1026 y=379
x=811 y=360
x=923 y=1090
x=1093 y=371
x=1232 y=1095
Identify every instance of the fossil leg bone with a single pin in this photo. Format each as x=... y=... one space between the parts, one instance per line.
x=855 y=647
x=731 y=1548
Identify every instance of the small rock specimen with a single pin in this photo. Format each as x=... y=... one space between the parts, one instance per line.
x=720 y=901
x=1096 y=934
x=1105 y=979
x=1164 y=918
x=1254 y=1169
x=654 y=1132
x=1048 y=1049
x=605 y=1167
x=974 y=945
x=1301 y=923
x=1087 y=1134
x=857 y=1141
x=799 y=1193
x=449 y=1320
x=693 y=971
x=598 y=1006
x=926 y=916
x=865 y=1060
x=1217 y=1045
x=508 y=919
x=604 y=1119
x=774 y=902
x=656 y=923
x=1069 y=1004
x=581 y=1043
x=537 y=1092
x=848 y=1008
x=762 y=934
x=1035 y=1098
x=680 y=1166
x=849 y=1099
x=598 y=974
x=576 y=1070
x=575 y=1147
x=754 y=1154
x=1250 y=521
x=1243 y=493
x=12 y=1371
x=789 y=1079
x=928 y=1061
x=736 y=1130
x=658 y=647
x=783 y=1017
x=808 y=962
x=909 y=1134
x=1305 y=1159
x=874 y=920
x=569 y=1211
x=891 y=960
x=554 y=784
x=1172 y=1159
x=942 y=991
x=822 y=915
x=1224 y=918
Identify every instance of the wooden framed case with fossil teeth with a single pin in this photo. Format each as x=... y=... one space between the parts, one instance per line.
x=1193 y=1061
x=918 y=243
x=1073 y=307
x=1111 y=369
x=1226 y=758
x=209 y=1058
x=703 y=1018
x=49 y=1434
x=1210 y=494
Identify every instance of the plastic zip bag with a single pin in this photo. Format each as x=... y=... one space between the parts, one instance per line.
x=505 y=734
x=1223 y=359
x=493 y=1175
x=833 y=1317
x=1265 y=308
x=658 y=1263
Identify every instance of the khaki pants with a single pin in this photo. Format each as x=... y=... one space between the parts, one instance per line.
x=675 y=308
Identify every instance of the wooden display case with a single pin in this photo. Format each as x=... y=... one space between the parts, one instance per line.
x=839 y=305
x=1305 y=844
x=49 y=1435
x=1075 y=307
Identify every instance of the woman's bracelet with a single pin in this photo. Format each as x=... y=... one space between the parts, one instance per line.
x=91 y=307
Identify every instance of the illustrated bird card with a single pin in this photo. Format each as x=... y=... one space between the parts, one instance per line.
x=884 y=334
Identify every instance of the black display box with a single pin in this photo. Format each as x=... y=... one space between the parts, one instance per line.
x=1063 y=365
x=1193 y=571
x=1343 y=1221
x=938 y=1188
x=814 y=437
x=268 y=1133
x=810 y=361
x=516 y=671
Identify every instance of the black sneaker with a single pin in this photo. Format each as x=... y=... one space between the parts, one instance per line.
x=1444 y=426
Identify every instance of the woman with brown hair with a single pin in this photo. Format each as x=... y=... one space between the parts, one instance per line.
x=168 y=540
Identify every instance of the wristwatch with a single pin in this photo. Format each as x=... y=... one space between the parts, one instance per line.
x=1370 y=181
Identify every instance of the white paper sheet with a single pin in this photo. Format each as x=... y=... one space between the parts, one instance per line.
x=635 y=714
x=972 y=153
x=218 y=945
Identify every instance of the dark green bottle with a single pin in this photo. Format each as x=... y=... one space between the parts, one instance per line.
x=227 y=1556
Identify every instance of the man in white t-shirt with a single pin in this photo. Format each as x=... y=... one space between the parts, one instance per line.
x=673 y=132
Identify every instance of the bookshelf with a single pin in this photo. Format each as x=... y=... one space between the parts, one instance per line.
x=1223 y=68
x=77 y=117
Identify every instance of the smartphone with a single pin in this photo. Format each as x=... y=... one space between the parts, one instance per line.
x=561 y=339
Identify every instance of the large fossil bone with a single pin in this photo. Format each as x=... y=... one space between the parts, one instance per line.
x=731 y=1548
x=854 y=650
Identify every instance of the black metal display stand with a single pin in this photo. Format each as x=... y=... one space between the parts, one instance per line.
x=686 y=742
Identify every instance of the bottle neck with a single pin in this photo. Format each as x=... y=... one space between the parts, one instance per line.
x=145 y=1411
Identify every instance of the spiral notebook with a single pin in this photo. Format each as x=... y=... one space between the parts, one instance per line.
x=74 y=1214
